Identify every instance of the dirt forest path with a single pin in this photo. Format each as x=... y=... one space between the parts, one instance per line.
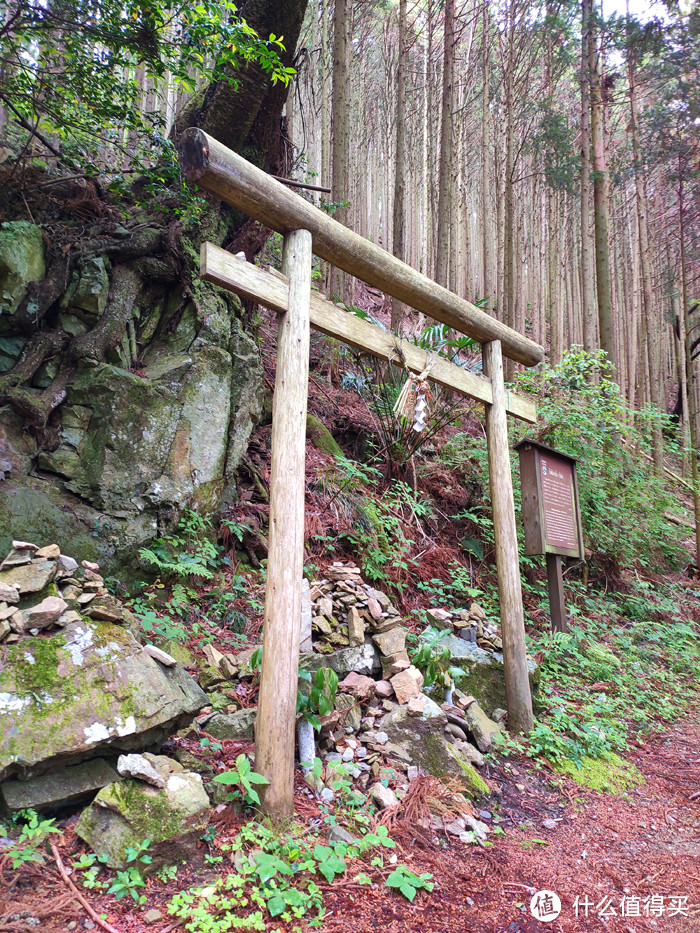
x=604 y=848
x=601 y=848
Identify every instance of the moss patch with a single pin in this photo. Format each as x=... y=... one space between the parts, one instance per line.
x=321 y=437
x=612 y=774
x=474 y=782
x=36 y=679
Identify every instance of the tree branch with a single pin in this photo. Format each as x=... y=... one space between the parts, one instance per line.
x=32 y=129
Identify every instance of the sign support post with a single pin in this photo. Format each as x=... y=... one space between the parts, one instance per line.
x=555 y=587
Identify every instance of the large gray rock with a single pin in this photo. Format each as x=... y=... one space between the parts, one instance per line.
x=85 y=689
x=124 y=815
x=69 y=785
x=21 y=262
x=238 y=725
x=87 y=293
x=481 y=727
x=138 y=440
x=422 y=742
x=483 y=671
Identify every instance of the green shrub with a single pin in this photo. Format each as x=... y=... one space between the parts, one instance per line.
x=623 y=504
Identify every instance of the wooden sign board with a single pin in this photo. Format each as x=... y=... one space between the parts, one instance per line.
x=551 y=516
x=550 y=501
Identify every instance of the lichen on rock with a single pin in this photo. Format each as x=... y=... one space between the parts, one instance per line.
x=88 y=687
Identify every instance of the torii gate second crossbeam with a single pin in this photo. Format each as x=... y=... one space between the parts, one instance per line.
x=307 y=229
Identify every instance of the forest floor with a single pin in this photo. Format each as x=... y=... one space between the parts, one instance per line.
x=625 y=864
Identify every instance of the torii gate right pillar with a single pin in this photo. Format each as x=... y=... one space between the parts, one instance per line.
x=518 y=697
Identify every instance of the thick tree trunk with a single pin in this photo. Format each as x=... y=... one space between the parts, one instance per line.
x=248 y=111
x=509 y=311
x=600 y=199
x=692 y=411
x=649 y=321
x=399 y=225
x=587 y=275
x=445 y=179
x=339 y=282
x=488 y=285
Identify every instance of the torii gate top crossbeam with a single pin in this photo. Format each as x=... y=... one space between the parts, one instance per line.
x=211 y=165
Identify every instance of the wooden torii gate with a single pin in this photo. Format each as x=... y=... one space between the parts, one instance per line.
x=307 y=229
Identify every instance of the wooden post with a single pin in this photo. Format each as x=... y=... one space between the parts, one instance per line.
x=274 y=744
x=555 y=585
x=518 y=698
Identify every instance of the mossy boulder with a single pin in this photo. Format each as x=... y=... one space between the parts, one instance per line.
x=233 y=726
x=176 y=650
x=125 y=814
x=84 y=690
x=87 y=293
x=425 y=745
x=21 y=262
x=321 y=437
x=483 y=729
x=483 y=672
x=159 y=426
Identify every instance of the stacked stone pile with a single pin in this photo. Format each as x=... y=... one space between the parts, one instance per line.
x=348 y=612
x=469 y=624
x=40 y=589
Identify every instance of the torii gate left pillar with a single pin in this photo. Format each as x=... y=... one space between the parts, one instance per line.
x=274 y=743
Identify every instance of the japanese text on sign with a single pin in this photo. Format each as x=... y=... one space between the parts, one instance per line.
x=558 y=502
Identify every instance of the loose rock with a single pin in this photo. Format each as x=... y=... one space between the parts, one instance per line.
x=383 y=689
x=31 y=577
x=357 y=685
x=45 y=613
x=8 y=594
x=407 y=684
x=383 y=796
x=162 y=656
x=123 y=815
x=136 y=766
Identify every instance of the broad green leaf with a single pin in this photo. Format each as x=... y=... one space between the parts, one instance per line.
x=276 y=905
